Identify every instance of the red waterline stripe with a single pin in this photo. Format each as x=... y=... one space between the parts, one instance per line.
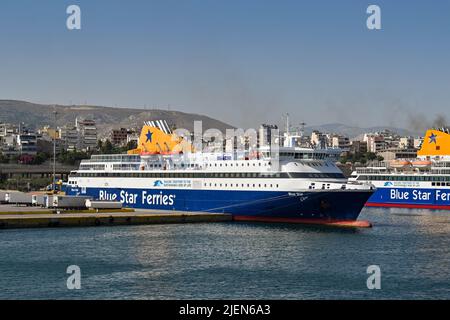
x=337 y=223
x=408 y=206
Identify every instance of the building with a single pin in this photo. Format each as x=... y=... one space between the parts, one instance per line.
x=406 y=143
x=69 y=137
x=119 y=137
x=417 y=144
x=27 y=144
x=338 y=141
x=375 y=142
x=358 y=147
x=318 y=139
x=265 y=134
x=397 y=153
x=87 y=134
x=8 y=129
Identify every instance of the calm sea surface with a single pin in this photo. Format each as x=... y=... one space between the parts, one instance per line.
x=232 y=260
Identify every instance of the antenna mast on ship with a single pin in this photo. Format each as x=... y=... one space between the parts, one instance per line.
x=302 y=128
x=287 y=123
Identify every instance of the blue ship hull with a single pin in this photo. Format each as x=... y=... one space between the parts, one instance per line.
x=419 y=198
x=342 y=205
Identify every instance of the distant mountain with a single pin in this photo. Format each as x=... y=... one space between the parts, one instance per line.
x=38 y=115
x=356 y=132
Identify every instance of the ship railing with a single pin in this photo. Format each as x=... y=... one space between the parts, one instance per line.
x=366 y=170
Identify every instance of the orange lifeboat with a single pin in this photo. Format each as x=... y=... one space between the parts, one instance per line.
x=421 y=163
x=255 y=155
x=400 y=163
x=168 y=153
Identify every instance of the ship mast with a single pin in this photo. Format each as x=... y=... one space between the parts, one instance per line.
x=287 y=124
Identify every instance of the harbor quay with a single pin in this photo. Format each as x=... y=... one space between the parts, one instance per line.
x=12 y=217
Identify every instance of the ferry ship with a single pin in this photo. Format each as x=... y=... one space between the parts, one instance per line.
x=165 y=172
x=423 y=183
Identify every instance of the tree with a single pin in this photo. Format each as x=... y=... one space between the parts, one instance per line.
x=99 y=145
x=371 y=156
x=131 y=145
x=107 y=147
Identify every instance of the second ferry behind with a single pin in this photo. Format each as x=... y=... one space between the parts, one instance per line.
x=166 y=173
x=422 y=183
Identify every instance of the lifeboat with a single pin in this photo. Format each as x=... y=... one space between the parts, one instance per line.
x=421 y=163
x=255 y=155
x=400 y=163
x=168 y=153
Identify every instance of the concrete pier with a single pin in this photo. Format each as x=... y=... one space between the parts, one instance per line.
x=47 y=220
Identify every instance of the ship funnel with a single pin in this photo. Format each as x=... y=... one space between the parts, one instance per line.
x=435 y=143
x=157 y=138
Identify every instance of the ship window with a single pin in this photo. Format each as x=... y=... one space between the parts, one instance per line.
x=277 y=185
x=433 y=184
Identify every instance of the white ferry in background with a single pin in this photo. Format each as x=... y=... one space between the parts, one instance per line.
x=306 y=187
x=423 y=183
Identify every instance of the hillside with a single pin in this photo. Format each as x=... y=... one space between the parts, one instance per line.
x=38 y=115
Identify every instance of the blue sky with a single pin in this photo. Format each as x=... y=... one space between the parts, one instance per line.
x=243 y=61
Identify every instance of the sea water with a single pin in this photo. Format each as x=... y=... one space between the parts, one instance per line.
x=232 y=260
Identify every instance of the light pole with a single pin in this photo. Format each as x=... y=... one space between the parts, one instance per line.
x=54 y=152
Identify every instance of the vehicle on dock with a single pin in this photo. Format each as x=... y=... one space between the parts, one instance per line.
x=291 y=183
x=38 y=200
x=98 y=204
x=18 y=198
x=3 y=197
x=69 y=202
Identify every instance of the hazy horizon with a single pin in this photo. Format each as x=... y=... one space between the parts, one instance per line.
x=243 y=62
